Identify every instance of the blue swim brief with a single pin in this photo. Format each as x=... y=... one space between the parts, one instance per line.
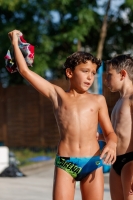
x=78 y=167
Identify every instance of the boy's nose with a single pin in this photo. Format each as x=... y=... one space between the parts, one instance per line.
x=89 y=76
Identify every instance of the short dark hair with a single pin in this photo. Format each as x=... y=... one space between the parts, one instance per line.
x=120 y=62
x=80 y=57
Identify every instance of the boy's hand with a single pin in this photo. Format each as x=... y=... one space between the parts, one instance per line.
x=109 y=153
x=13 y=35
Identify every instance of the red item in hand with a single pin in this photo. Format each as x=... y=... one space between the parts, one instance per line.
x=27 y=51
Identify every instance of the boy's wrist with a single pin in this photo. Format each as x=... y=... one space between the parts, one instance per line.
x=14 y=43
x=112 y=143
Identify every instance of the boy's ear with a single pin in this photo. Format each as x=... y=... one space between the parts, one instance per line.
x=69 y=73
x=123 y=73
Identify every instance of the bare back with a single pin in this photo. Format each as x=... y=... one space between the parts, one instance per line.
x=122 y=123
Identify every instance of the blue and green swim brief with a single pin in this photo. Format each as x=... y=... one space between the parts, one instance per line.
x=78 y=167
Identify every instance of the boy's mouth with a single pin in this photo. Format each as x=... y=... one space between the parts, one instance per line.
x=86 y=83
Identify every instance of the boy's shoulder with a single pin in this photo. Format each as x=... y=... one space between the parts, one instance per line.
x=98 y=97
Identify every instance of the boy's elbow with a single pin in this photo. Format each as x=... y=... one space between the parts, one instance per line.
x=24 y=72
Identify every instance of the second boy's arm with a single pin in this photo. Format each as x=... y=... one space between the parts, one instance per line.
x=42 y=85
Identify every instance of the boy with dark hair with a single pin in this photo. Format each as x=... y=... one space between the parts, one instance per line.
x=80 y=57
x=119 y=77
x=77 y=113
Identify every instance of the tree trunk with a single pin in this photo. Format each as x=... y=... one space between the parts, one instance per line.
x=103 y=32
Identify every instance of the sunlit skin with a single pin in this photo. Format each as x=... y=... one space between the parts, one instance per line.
x=122 y=121
x=77 y=114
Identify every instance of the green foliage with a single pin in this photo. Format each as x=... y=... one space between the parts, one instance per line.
x=10 y=5
x=120 y=32
x=129 y=3
x=54 y=39
x=56 y=28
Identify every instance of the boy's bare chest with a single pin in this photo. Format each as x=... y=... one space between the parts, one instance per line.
x=77 y=107
x=121 y=111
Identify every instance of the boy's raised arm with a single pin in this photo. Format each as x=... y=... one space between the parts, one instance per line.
x=39 y=83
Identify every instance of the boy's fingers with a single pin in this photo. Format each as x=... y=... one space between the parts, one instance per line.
x=108 y=156
x=105 y=150
x=9 y=35
x=15 y=32
x=108 y=159
x=114 y=159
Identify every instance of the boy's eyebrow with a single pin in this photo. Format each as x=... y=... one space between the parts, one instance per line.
x=85 y=67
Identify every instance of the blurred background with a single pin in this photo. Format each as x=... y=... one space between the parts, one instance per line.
x=56 y=29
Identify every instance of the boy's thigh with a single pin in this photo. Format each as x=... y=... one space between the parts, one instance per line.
x=127 y=178
x=63 y=186
x=92 y=187
x=116 y=190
